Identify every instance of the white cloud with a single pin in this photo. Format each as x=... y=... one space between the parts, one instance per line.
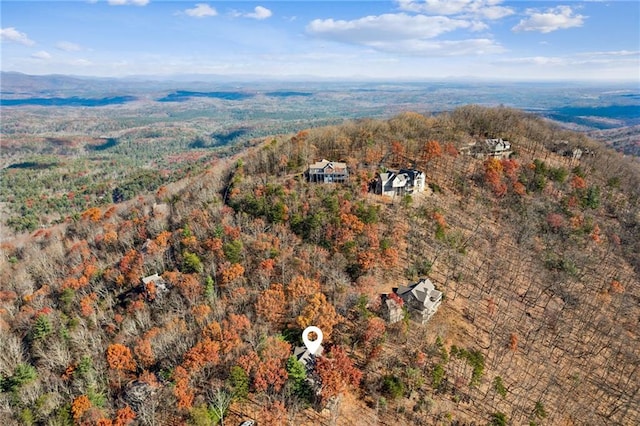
x=387 y=27
x=259 y=13
x=128 y=2
x=488 y=9
x=41 y=55
x=67 y=46
x=12 y=35
x=404 y=34
x=201 y=10
x=555 y=18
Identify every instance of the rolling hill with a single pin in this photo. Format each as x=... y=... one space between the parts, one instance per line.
x=537 y=255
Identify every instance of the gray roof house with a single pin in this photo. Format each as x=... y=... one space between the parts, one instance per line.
x=421 y=299
x=326 y=171
x=498 y=148
x=401 y=182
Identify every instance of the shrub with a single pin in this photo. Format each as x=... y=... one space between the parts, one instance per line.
x=498 y=419
x=239 y=382
x=41 y=328
x=498 y=385
x=437 y=375
x=22 y=375
x=393 y=386
x=191 y=263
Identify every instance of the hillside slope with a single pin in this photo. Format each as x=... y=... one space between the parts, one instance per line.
x=538 y=257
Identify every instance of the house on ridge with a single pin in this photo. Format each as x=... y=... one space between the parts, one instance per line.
x=402 y=182
x=326 y=171
x=421 y=299
x=498 y=148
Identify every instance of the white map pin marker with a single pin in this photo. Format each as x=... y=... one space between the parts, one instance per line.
x=312 y=345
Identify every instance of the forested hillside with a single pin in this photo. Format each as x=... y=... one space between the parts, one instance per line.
x=538 y=257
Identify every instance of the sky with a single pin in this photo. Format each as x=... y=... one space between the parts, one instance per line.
x=382 y=40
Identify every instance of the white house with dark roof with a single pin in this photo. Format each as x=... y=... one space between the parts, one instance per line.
x=498 y=148
x=421 y=299
x=401 y=182
x=326 y=171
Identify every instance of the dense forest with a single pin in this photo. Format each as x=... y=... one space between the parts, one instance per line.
x=538 y=257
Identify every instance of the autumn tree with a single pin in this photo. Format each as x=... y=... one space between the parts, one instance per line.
x=80 y=405
x=124 y=417
x=337 y=373
x=431 y=150
x=493 y=170
x=119 y=358
x=271 y=304
x=373 y=335
x=273 y=414
x=203 y=353
x=319 y=312
x=182 y=390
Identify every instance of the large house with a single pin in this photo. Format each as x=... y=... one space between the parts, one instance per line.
x=402 y=182
x=421 y=299
x=498 y=148
x=326 y=171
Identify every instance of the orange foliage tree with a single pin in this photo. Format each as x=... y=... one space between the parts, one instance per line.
x=493 y=170
x=270 y=371
x=144 y=352
x=320 y=313
x=204 y=352
x=271 y=304
x=94 y=214
x=80 y=406
x=300 y=287
x=119 y=358
x=124 y=416
x=182 y=390
x=131 y=266
x=230 y=273
x=431 y=150
x=374 y=334
x=337 y=372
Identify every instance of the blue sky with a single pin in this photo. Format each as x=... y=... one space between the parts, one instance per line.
x=401 y=39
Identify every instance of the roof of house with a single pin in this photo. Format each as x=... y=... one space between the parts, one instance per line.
x=400 y=179
x=303 y=355
x=336 y=166
x=423 y=291
x=152 y=278
x=497 y=144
